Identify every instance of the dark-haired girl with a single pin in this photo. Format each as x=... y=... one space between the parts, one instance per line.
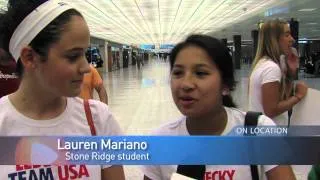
x=202 y=78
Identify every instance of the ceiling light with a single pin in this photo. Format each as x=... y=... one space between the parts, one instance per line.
x=307 y=9
x=162 y=21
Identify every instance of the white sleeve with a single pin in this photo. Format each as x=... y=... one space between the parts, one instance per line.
x=265 y=121
x=271 y=73
x=152 y=171
x=106 y=124
x=112 y=127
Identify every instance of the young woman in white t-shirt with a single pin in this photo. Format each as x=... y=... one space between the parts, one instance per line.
x=271 y=80
x=48 y=40
x=202 y=78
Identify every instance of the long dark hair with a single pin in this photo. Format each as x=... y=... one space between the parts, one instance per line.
x=219 y=54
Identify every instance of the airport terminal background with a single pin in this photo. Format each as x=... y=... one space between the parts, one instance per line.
x=141 y=98
x=136 y=76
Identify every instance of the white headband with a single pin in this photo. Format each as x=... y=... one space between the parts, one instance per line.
x=31 y=25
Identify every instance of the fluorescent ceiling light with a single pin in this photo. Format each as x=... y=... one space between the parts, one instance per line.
x=161 y=21
x=307 y=9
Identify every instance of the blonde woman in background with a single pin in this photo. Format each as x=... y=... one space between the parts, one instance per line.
x=271 y=80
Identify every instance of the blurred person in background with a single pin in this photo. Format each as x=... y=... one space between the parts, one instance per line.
x=92 y=81
x=271 y=79
x=9 y=81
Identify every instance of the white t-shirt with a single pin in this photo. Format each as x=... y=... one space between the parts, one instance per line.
x=71 y=122
x=218 y=172
x=266 y=71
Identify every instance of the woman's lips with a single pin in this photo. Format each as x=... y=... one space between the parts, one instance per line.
x=187 y=101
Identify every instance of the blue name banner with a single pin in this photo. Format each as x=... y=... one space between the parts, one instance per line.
x=161 y=150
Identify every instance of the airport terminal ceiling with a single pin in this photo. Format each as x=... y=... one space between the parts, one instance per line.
x=169 y=21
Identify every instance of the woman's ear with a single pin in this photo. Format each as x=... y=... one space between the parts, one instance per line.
x=28 y=58
x=225 y=91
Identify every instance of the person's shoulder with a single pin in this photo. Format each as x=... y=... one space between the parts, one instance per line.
x=93 y=69
x=265 y=121
x=267 y=62
x=236 y=114
x=266 y=68
x=4 y=99
x=102 y=117
x=4 y=103
x=96 y=107
x=7 y=110
x=170 y=128
x=239 y=117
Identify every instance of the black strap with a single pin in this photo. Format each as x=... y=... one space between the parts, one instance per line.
x=251 y=119
x=192 y=171
x=254 y=172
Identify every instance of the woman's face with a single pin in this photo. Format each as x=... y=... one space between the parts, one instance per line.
x=62 y=72
x=195 y=83
x=286 y=39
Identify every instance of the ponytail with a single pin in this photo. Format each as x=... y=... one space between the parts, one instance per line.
x=228 y=101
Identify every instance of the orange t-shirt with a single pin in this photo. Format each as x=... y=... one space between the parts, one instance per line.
x=90 y=81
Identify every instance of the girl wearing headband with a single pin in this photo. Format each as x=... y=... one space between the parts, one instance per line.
x=48 y=40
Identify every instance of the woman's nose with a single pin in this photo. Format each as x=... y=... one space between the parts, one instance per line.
x=84 y=67
x=292 y=40
x=188 y=83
